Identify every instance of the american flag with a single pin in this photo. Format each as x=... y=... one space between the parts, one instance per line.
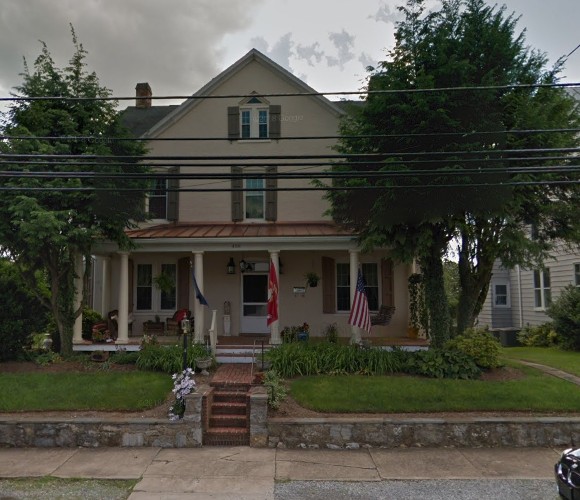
x=359 y=312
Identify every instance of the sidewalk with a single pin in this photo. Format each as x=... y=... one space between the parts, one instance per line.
x=250 y=473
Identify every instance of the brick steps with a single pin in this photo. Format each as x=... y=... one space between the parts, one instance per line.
x=228 y=412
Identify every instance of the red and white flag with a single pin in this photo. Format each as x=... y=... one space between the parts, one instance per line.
x=359 y=312
x=272 y=295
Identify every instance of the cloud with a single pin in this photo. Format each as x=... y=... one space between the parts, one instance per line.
x=384 y=15
x=310 y=52
x=176 y=46
x=344 y=42
x=281 y=51
x=367 y=61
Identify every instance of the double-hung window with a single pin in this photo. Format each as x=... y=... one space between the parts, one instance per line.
x=371 y=276
x=149 y=296
x=254 y=199
x=254 y=122
x=542 y=288
x=158 y=199
x=577 y=274
x=501 y=296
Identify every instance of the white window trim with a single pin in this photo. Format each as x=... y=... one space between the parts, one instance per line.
x=508 y=304
x=576 y=272
x=166 y=196
x=542 y=289
x=254 y=110
x=245 y=195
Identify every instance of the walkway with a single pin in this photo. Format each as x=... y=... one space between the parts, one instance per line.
x=233 y=374
x=250 y=473
x=552 y=371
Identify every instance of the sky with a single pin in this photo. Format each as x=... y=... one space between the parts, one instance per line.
x=179 y=45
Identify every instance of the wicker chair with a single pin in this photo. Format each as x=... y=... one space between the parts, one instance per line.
x=384 y=316
x=173 y=324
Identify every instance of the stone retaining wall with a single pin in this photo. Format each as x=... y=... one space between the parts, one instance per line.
x=393 y=433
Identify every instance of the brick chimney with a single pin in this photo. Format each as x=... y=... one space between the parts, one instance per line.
x=143 y=95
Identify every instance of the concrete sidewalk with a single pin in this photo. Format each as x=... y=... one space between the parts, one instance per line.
x=250 y=473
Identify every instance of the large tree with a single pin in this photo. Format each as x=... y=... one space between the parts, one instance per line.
x=54 y=203
x=437 y=124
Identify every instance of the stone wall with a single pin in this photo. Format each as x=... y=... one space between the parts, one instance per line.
x=434 y=432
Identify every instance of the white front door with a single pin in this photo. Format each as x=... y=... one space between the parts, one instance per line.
x=254 y=303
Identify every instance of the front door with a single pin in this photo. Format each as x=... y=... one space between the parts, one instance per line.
x=254 y=303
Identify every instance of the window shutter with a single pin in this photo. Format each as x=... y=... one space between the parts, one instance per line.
x=271 y=196
x=173 y=196
x=275 y=118
x=233 y=122
x=328 y=286
x=237 y=196
x=387 y=282
x=183 y=271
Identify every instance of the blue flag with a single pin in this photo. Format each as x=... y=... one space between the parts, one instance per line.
x=198 y=295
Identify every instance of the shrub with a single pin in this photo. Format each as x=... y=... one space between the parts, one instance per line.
x=169 y=359
x=90 y=318
x=565 y=313
x=538 y=336
x=442 y=363
x=276 y=389
x=301 y=358
x=125 y=358
x=479 y=344
x=331 y=333
x=21 y=313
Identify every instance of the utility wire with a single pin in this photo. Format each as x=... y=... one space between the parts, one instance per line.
x=296 y=94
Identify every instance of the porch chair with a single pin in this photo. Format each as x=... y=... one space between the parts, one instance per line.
x=173 y=324
x=384 y=316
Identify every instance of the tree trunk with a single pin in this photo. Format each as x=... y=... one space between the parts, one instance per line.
x=435 y=296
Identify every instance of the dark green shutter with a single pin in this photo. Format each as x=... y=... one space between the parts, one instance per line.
x=275 y=118
x=387 y=282
x=237 y=195
x=271 y=195
x=173 y=196
x=328 y=286
x=233 y=122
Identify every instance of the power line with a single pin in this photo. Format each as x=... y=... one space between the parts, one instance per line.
x=515 y=86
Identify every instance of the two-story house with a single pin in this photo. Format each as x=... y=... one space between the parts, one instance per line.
x=240 y=155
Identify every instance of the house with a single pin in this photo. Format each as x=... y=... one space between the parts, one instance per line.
x=236 y=198
x=519 y=297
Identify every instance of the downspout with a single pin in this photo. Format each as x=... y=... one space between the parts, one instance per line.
x=520 y=299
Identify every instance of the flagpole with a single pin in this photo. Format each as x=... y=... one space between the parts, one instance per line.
x=198 y=308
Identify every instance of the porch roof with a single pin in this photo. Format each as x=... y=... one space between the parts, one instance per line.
x=195 y=230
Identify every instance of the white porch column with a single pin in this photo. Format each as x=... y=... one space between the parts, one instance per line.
x=78 y=283
x=275 y=338
x=355 y=334
x=198 y=309
x=106 y=284
x=123 y=317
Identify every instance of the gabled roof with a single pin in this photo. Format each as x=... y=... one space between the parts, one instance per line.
x=208 y=88
x=139 y=120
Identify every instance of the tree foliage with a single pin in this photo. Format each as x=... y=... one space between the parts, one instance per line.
x=46 y=222
x=446 y=155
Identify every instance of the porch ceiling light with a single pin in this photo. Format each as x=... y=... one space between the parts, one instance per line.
x=231 y=266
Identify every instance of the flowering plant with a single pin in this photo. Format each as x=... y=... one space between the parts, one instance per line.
x=100 y=333
x=183 y=384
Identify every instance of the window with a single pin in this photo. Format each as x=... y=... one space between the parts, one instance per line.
x=542 y=291
x=158 y=199
x=149 y=296
x=501 y=296
x=144 y=287
x=577 y=274
x=168 y=297
x=371 y=276
x=254 y=118
x=254 y=199
x=254 y=123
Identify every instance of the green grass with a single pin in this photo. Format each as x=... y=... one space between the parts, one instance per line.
x=135 y=390
x=399 y=394
x=568 y=361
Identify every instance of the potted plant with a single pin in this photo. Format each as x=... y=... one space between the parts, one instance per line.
x=312 y=279
x=164 y=282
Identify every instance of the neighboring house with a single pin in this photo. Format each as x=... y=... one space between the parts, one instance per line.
x=226 y=238
x=519 y=297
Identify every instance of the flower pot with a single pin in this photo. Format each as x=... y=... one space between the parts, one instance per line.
x=203 y=365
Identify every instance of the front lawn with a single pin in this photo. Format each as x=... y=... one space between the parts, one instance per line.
x=535 y=392
x=568 y=361
x=108 y=391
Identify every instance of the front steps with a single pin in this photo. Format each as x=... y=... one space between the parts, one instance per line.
x=245 y=353
x=228 y=407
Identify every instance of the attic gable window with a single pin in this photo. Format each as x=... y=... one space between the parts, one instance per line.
x=254 y=118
